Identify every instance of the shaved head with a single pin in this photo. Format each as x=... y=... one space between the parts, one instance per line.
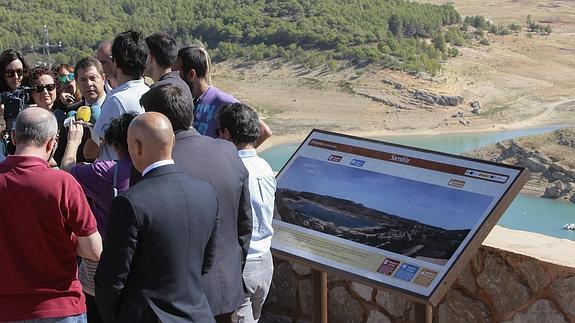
x=150 y=139
x=105 y=48
x=104 y=55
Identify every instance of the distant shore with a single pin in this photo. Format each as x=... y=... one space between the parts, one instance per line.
x=296 y=138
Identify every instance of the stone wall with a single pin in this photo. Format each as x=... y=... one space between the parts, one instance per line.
x=498 y=285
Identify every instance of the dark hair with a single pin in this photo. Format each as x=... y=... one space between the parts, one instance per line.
x=6 y=58
x=163 y=48
x=241 y=121
x=170 y=100
x=56 y=71
x=116 y=134
x=88 y=62
x=196 y=58
x=35 y=74
x=130 y=53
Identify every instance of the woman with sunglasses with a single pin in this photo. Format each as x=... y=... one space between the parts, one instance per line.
x=43 y=85
x=12 y=67
x=68 y=92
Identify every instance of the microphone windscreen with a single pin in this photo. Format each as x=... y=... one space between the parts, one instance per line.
x=70 y=114
x=84 y=113
x=95 y=114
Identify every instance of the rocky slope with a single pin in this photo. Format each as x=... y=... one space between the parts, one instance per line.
x=550 y=158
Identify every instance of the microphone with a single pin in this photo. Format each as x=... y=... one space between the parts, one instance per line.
x=84 y=113
x=95 y=114
x=70 y=117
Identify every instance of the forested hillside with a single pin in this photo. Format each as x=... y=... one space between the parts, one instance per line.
x=396 y=33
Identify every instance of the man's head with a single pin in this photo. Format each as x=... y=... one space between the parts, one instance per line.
x=238 y=124
x=163 y=51
x=170 y=101
x=90 y=79
x=35 y=133
x=104 y=56
x=150 y=139
x=194 y=65
x=129 y=54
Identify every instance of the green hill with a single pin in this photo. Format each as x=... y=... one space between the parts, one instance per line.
x=312 y=32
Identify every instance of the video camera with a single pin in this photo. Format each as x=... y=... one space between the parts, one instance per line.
x=14 y=102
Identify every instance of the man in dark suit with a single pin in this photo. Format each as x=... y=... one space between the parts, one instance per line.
x=160 y=236
x=216 y=162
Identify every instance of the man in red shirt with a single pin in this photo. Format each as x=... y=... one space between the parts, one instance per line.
x=45 y=221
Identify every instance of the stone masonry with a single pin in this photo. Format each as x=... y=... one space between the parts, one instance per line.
x=496 y=286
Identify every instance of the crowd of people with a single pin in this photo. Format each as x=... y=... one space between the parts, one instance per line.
x=153 y=208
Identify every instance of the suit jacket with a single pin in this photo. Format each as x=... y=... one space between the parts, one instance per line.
x=217 y=162
x=159 y=239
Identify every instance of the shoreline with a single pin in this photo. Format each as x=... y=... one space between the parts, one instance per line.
x=296 y=138
x=527 y=190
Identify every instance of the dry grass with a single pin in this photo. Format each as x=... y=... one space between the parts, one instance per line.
x=520 y=81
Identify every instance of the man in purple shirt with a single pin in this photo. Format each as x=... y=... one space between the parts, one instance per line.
x=194 y=65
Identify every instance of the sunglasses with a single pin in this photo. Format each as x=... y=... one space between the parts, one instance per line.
x=11 y=73
x=40 y=88
x=66 y=78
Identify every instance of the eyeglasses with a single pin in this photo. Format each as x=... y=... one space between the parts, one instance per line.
x=40 y=88
x=11 y=73
x=66 y=78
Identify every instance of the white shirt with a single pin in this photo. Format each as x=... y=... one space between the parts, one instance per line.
x=125 y=98
x=100 y=100
x=262 y=198
x=157 y=164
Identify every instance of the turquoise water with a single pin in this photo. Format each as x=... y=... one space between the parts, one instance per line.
x=525 y=213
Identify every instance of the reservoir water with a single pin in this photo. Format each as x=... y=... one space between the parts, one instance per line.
x=526 y=213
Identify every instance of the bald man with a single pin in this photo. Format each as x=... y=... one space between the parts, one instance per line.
x=104 y=55
x=45 y=222
x=160 y=236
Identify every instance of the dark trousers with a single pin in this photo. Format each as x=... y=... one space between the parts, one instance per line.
x=224 y=318
x=92 y=310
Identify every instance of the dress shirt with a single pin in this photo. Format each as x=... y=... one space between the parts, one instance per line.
x=156 y=165
x=262 y=197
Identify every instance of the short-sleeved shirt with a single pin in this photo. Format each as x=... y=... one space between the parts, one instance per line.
x=206 y=107
x=96 y=180
x=40 y=211
x=123 y=99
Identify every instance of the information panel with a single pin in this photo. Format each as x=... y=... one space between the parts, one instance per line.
x=392 y=216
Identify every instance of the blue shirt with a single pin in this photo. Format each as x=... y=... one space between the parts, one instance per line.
x=262 y=194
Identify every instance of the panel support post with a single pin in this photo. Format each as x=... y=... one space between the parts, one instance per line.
x=319 y=296
x=423 y=313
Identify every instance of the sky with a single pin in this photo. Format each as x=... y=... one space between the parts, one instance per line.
x=427 y=203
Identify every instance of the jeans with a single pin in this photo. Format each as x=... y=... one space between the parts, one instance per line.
x=257 y=276
x=81 y=318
